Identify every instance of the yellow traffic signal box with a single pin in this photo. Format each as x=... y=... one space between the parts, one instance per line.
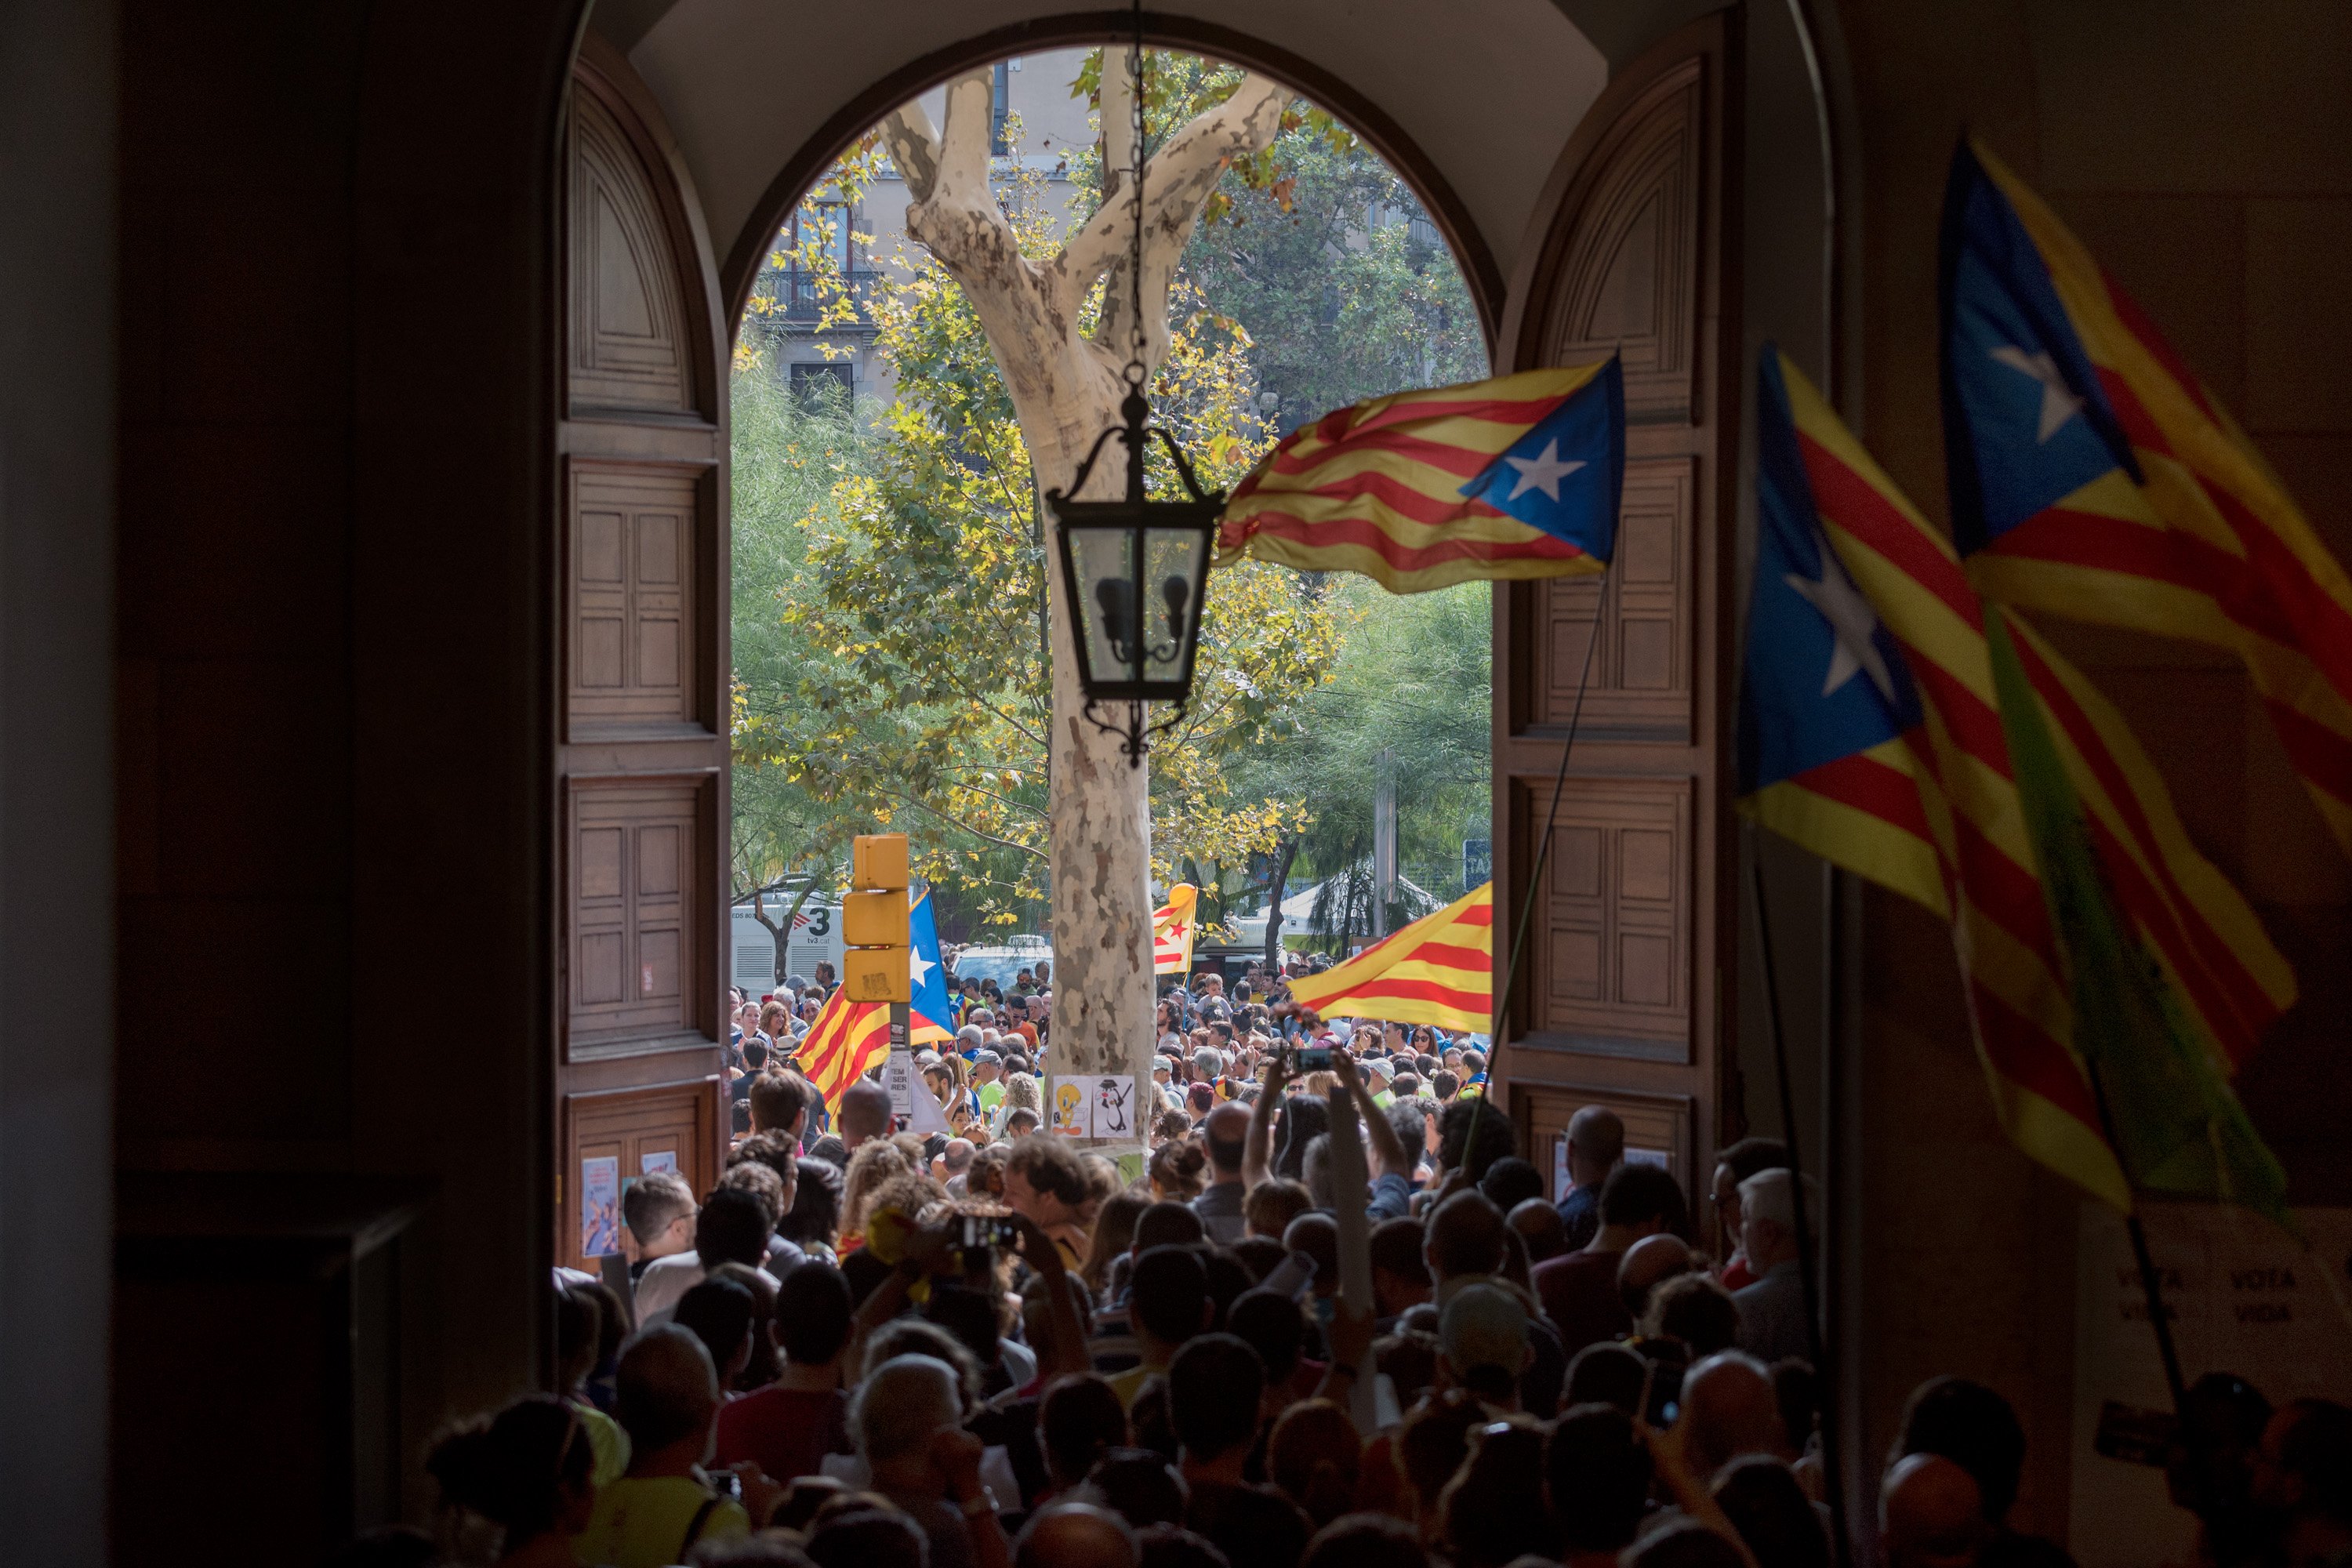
x=875 y=920
x=877 y=973
x=879 y=860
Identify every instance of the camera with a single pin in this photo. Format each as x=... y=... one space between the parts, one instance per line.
x=982 y=1234
x=1297 y=1059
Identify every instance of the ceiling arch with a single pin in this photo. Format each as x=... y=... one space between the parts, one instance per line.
x=1472 y=102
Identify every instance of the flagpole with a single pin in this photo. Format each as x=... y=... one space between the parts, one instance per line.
x=1824 y=1376
x=1535 y=871
x=2150 y=1284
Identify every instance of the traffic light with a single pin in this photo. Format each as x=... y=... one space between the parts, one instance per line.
x=874 y=965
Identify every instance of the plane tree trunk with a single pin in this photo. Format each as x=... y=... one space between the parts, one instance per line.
x=1066 y=388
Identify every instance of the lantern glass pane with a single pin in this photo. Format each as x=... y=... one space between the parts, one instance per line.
x=1105 y=558
x=1175 y=560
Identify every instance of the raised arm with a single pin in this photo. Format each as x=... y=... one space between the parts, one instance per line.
x=1258 y=1148
x=1388 y=1149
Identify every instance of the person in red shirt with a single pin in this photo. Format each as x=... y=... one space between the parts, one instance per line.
x=1578 y=1290
x=788 y=1427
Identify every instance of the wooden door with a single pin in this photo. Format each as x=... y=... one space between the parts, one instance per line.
x=1624 y=995
x=641 y=703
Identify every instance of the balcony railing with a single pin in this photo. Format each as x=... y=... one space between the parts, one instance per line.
x=798 y=297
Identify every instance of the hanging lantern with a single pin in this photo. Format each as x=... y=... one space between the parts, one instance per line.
x=1135 y=570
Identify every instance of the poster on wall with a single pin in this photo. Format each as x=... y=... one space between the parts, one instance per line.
x=2243 y=1297
x=600 y=1206
x=661 y=1159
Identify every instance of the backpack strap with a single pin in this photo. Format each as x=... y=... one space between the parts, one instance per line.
x=695 y=1526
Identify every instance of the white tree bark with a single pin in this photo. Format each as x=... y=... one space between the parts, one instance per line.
x=1065 y=389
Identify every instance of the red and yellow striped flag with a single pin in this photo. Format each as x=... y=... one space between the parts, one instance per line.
x=1515 y=476
x=2094 y=478
x=844 y=1042
x=1439 y=970
x=1171 y=931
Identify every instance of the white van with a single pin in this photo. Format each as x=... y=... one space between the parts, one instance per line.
x=816 y=935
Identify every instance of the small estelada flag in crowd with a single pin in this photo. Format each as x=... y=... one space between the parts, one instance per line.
x=2091 y=477
x=844 y=1042
x=1171 y=931
x=930 y=1019
x=1516 y=477
x=1895 y=725
x=1439 y=970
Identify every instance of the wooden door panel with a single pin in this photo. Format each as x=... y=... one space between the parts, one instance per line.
x=635 y=549
x=1655 y=1125
x=638 y=1131
x=1640 y=684
x=636 y=934
x=1629 y=276
x=628 y=323
x=1626 y=978
x=1616 y=976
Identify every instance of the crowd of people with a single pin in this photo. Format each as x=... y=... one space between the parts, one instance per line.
x=990 y=1347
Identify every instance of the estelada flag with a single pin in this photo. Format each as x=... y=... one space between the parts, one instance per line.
x=1171 y=931
x=1439 y=970
x=2091 y=477
x=1515 y=476
x=930 y=1019
x=1873 y=732
x=844 y=1043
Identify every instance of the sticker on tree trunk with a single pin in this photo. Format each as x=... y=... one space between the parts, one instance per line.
x=1071 y=1119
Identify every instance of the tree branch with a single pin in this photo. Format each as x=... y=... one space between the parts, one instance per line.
x=914 y=148
x=1029 y=849
x=1177 y=183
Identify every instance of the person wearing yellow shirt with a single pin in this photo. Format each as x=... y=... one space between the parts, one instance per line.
x=665 y=1505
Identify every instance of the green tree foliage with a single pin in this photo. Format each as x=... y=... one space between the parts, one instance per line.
x=1322 y=252
x=1412 y=684
x=788 y=455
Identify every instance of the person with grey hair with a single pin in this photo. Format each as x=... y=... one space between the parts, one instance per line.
x=1596 y=1143
x=1208 y=1065
x=1076 y=1535
x=952 y=1162
x=1772 y=1309
x=909 y=1420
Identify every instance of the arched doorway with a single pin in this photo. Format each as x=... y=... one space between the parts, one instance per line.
x=1626 y=230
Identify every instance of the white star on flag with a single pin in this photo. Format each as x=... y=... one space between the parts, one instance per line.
x=1543 y=473
x=2058 y=404
x=920 y=967
x=1852 y=621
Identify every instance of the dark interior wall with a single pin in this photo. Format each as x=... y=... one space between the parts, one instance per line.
x=2205 y=153
x=332 y=665
x=57 y=389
